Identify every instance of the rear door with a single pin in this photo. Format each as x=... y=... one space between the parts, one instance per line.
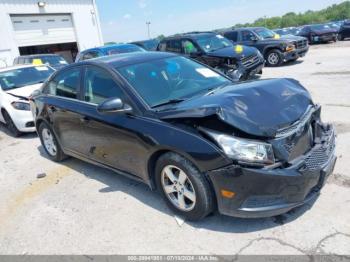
x=63 y=108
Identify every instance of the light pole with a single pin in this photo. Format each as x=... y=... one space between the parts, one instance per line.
x=149 y=34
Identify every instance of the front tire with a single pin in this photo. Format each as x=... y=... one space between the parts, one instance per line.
x=11 y=125
x=186 y=191
x=50 y=144
x=340 y=37
x=274 y=58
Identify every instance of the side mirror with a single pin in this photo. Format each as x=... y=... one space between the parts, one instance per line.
x=35 y=93
x=254 y=39
x=113 y=105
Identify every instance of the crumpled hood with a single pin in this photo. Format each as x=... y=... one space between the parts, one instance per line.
x=232 y=53
x=25 y=91
x=258 y=108
x=324 y=31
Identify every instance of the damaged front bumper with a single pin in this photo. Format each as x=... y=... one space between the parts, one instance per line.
x=293 y=55
x=265 y=192
x=247 y=70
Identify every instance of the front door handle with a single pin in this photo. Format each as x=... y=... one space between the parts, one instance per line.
x=85 y=119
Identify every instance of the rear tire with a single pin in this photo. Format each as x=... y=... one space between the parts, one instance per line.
x=11 y=125
x=50 y=144
x=186 y=191
x=274 y=58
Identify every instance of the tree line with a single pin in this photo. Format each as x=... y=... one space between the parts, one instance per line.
x=332 y=13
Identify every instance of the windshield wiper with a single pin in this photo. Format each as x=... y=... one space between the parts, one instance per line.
x=213 y=89
x=171 y=101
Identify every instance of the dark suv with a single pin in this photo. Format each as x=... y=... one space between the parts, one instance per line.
x=237 y=62
x=344 y=31
x=275 y=49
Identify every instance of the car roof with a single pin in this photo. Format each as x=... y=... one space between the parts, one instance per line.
x=37 y=55
x=247 y=28
x=144 y=41
x=121 y=60
x=107 y=47
x=193 y=35
x=9 y=68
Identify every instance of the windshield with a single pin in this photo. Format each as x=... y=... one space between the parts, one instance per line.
x=213 y=42
x=125 y=49
x=51 y=60
x=20 y=77
x=264 y=33
x=320 y=27
x=173 y=78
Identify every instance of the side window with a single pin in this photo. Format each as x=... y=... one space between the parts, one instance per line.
x=90 y=55
x=66 y=84
x=247 y=35
x=99 y=86
x=162 y=46
x=188 y=47
x=233 y=36
x=174 y=46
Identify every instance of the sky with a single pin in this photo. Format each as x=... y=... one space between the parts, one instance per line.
x=125 y=20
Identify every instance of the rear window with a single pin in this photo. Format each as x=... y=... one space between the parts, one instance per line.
x=125 y=49
x=233 y=36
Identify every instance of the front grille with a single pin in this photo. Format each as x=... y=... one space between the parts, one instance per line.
x=301 y=44
x=250 y=61
x=295 y=126
x=320 y=156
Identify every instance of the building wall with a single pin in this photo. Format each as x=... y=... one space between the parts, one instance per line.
x=84 y=14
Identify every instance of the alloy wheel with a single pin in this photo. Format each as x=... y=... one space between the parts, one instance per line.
x=49 y=142
x=273 y=59
x=178 y=188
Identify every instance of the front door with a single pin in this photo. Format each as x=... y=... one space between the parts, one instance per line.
x=110 y=138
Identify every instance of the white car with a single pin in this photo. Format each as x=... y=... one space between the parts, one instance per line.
x=16 y=85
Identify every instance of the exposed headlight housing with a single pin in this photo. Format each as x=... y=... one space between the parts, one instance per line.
x=21 y=106
x=244 y=150
x=290 y=48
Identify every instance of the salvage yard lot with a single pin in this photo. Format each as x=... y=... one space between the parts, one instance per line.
x=78 y=208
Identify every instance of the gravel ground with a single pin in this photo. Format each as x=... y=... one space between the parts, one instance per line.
x=78 y=208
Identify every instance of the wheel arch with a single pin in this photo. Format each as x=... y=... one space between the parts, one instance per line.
x=269 y=48
x=152 y=162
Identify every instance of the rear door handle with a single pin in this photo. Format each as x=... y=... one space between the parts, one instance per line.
x=85 y=119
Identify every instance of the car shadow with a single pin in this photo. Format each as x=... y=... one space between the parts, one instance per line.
x=292 y=63
x=4 y=129
x=114 y=182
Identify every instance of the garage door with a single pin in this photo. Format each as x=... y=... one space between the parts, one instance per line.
x=43 y=29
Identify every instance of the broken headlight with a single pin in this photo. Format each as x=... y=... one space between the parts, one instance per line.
x=244 y=150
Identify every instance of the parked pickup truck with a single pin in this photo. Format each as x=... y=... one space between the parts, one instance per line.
x=275 y=49
x=236 y=61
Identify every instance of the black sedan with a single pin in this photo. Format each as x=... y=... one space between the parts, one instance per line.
x=249 y=150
